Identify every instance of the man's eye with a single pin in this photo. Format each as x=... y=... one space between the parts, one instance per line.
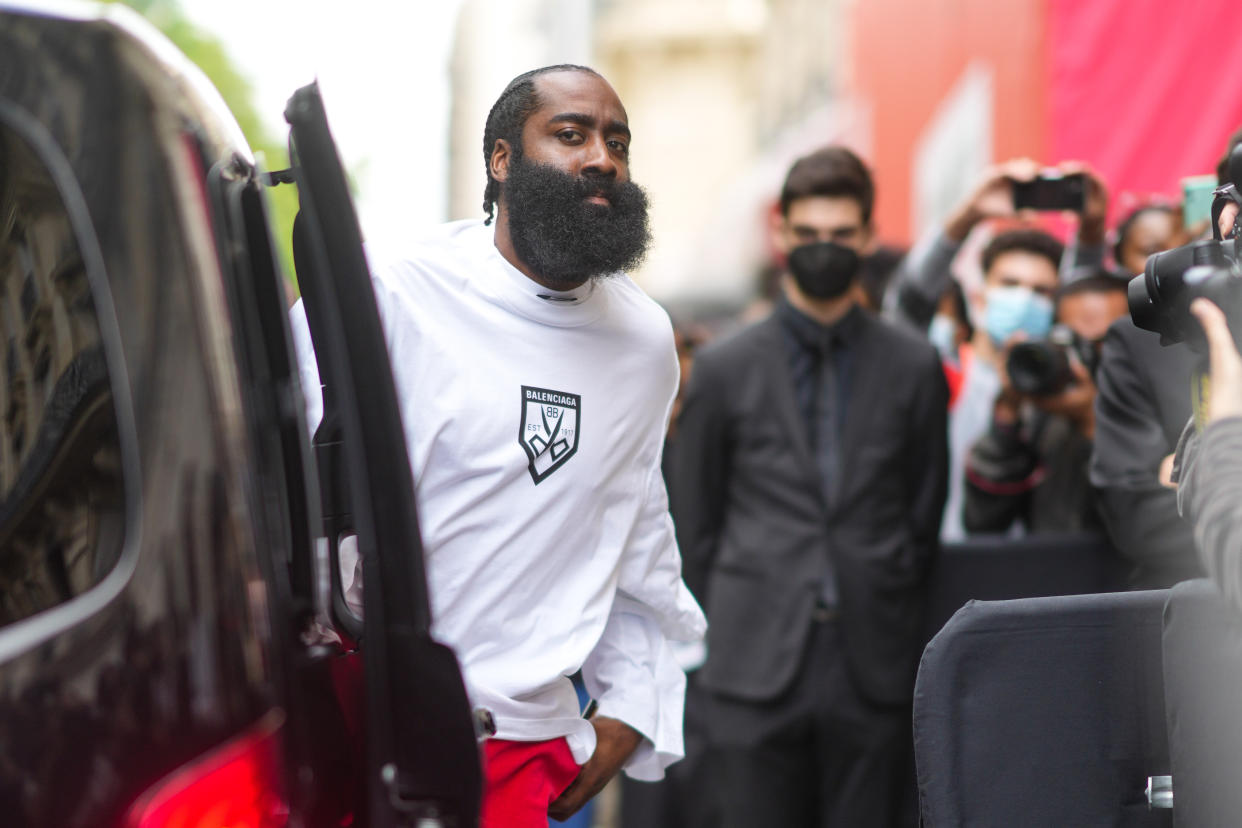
x=619 y=146
x=571 y=136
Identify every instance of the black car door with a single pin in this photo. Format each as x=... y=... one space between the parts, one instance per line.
x=421 y=756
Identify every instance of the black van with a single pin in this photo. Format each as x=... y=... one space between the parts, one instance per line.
x=174 y=647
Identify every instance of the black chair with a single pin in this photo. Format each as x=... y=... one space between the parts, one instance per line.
x=1203 y=698
x=995 y=568
x=1043 y=712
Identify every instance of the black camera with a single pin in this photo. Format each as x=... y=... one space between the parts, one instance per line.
x=1042 y=368
x=1160 y=298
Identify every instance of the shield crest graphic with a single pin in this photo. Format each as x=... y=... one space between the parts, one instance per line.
x=549 y=432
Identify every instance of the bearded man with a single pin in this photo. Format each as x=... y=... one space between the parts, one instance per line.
x=536 y=380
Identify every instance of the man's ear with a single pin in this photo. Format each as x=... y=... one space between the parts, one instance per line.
x=776 y=230
x=869 y=241
x=502 y=154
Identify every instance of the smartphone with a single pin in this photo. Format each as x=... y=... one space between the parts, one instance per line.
x=1051 y=191
x=1197 y=199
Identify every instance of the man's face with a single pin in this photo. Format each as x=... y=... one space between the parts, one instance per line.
x=824 y=218
x=580 y=127
x=572 y=211
x=1019 y=268
x=1089 y=313
x=1152 y=232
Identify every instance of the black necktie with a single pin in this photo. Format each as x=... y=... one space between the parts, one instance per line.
x=827 y=450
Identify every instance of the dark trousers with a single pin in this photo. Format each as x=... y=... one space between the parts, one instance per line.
x=678 y=800
x=818 y=756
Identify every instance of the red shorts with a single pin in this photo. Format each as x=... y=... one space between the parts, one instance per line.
x=521 y=779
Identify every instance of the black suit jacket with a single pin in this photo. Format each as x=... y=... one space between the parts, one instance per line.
x=1141 y=408
x=754 y=525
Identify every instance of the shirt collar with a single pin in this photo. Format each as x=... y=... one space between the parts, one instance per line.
x=814 y=335
x=560 y=308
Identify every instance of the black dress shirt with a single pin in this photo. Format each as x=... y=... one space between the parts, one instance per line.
x=807 y=341
x=820 y=363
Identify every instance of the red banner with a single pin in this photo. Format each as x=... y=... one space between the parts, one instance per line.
x=1146 y=91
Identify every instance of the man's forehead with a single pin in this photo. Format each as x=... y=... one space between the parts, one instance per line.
x=575 y=91
x=1025 y=267
x=833 y=211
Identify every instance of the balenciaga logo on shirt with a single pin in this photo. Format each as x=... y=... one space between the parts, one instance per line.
x=549 y=430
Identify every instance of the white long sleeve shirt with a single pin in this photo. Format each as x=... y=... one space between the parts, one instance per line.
x=535 y=421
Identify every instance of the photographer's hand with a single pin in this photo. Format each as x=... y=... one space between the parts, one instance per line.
x=1225 y=222
x=1091 y=222
x=1225 y=395
x=992 y=197
x=1007 y=407
x=1076 y=402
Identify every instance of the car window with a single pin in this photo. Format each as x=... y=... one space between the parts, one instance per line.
x=61 y=493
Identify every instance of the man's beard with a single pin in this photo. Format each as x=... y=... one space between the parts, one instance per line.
x=562 y=237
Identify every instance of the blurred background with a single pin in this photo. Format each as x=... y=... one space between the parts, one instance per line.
x=723 y=94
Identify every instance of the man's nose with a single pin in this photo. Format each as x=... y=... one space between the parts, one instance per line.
x=599 y=160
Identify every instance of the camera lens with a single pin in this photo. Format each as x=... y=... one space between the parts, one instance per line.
x=1038 y=368
x=1143 y=308
x=1160 y=299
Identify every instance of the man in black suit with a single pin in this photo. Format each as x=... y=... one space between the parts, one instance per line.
x=809 y=478
x=1142 y=407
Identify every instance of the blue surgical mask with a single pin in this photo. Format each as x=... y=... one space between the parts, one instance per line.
x=942 y=332
x=1011 y=308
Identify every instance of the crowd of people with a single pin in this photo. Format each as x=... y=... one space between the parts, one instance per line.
x=813 y=465
x=814 y=469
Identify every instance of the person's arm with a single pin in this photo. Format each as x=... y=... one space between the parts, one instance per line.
x=1210 y=486
x=700 y=470
x=1139 y=513
x=1081 y=259
x=640 y=691
x=1214 y=503
x=633 y=676
x=1002 y=469
x=308 y=368
x=1085 y=253
x=928 y=460
x=924 y=274
x=632 y=673
x=921 y=278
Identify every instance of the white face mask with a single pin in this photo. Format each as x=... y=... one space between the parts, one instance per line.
x=1013 y=308
x=943 y=334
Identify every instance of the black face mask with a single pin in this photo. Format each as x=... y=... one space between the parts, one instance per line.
x=823 y=270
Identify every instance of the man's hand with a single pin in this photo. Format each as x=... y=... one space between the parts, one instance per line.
x=1225 y=221
x=1165 y=474
x=1076 y=402
x=1094 y=214
x=615 y=742
x=992 y=197
x=1225 y=393
x=1007 y=406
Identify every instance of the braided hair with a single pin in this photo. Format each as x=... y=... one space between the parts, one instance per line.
x=506 y=119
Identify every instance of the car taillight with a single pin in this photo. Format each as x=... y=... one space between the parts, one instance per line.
x=236 y=785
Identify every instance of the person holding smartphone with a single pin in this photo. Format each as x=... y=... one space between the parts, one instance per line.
x=926 y=272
